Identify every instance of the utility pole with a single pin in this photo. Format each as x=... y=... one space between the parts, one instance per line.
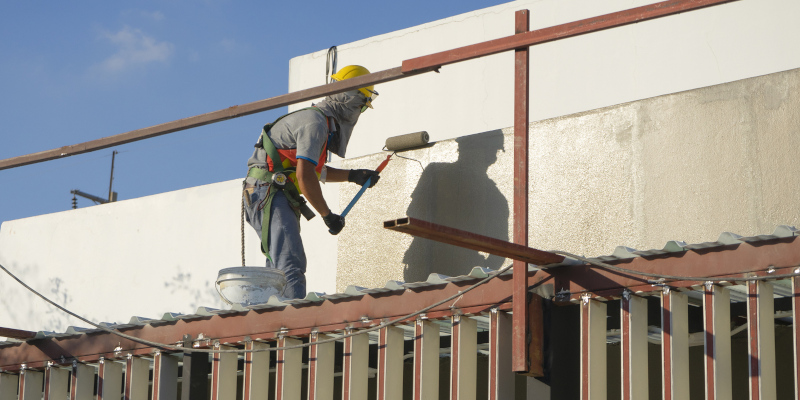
x=112 y=195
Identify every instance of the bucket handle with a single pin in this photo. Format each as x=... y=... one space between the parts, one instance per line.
x=225 y=299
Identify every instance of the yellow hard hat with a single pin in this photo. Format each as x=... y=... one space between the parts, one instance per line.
x=352 y=71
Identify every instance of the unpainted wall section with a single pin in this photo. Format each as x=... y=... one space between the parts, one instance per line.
x=686 y=166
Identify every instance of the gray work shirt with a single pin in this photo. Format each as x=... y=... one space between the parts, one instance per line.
x=305 y=131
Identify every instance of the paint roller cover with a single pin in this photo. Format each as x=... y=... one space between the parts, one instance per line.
x=407 y=141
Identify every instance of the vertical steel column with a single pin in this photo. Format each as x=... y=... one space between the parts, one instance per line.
x=8 y=386
x=165 y=377
x=137 y=378
x=796 y=331
x=320 y=368
x=223 y=374
x=288 y=370
x=355 y=367
x=256 y=372
x=674 y=345
x=593 y=349
x=30 y=384
x=761 y=340
x=82 y=386
x=56 y=383
x=463 y=358
x=717 y=326
x=501 y=378
x=634 y=346
x=426 y=360
x=520 y=291
x=109 y=380
x=390 y=363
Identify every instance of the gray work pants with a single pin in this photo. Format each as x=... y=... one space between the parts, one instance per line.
x=285 y=244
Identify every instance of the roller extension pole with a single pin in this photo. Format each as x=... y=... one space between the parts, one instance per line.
x=394 y=144
x=365 y=186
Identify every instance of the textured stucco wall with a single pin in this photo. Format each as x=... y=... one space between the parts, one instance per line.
x=685 y=166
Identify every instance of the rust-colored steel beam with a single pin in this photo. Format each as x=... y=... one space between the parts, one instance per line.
x=621 y=18
x=263 y=324
x=16 y=333
x=409 y=68
x=469 y=240
x=208 y=118
x=735 y=261
x=520 y=332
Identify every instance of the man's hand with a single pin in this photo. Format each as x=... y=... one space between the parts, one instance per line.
x=334 y=222
x=360 y=176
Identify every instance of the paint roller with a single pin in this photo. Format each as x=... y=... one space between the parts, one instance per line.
x=394 y=144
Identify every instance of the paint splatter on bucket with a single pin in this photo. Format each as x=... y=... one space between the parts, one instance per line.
x=249 y=285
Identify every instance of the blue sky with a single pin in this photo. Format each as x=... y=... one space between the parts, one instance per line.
x=71 y=72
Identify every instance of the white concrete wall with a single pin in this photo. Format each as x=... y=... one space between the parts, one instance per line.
x=685 y=166
x=673 y=54
x=140 y=257
x=161 y=253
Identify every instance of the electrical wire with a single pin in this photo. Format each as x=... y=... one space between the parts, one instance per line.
x=400 y=319
x=164 y=346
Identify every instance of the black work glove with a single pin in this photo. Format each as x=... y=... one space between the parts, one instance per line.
x=334 y=222
x=360 y=176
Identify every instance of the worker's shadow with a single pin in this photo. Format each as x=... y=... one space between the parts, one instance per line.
x=459 y=195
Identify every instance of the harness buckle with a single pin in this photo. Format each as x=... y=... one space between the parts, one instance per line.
x=279 y=180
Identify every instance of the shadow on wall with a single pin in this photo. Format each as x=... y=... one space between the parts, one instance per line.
x=463 y=196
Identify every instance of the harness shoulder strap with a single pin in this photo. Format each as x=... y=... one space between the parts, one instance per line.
x=269 y=146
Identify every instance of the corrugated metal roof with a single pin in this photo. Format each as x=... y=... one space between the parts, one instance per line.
x=782 y=288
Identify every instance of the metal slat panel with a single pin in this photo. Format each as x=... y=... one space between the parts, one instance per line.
x=390 y=363
x=109 y=382
x=355 y=367
x=320 y=368
x=137 y=378
x=256 y=371
x=796 y=341
x=426 y=360
x=165 y=377
x=593 y=349
x=675 y=345
x=761 y=343
x=634 y=347
x=223 y=374
x=30 y=385
x=463 y=359
x=717 y=326
x=288 y=370
x=8 y=386
x=56 y=383
x=82 y=387
x=501 y=378
x=194 y=375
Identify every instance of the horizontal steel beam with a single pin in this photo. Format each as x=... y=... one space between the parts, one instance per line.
x=16 y=333
x=326 y=316
x=208 y=118
x=474 y=241
x=409 y=67
x=658 y=10
x=774 y=257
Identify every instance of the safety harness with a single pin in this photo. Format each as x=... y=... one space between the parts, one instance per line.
x=278 y=179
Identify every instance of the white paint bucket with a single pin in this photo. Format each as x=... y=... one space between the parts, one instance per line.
x=249 y=285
